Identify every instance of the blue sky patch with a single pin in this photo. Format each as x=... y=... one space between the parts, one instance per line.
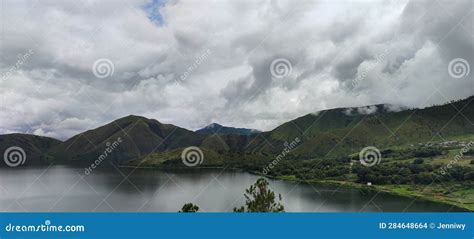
x=153 y=11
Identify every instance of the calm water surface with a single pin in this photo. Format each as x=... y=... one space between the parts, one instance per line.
x=61 y=188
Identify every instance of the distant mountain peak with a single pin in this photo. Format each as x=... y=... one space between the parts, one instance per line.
x=215 y=128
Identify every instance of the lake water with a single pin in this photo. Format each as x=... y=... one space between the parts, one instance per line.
x=61 y=188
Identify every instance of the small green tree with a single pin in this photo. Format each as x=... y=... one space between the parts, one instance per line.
x=259 y=198
x=189 y=207
x=418 y=161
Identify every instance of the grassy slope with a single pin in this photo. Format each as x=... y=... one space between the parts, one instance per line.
x=335 y=133
x=36 y=147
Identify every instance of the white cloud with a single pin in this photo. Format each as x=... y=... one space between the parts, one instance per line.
x=328 y=43
x=367 y=110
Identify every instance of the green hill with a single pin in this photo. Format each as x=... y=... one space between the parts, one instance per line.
x=36 y=148
x=342 y=131
x=131 y=138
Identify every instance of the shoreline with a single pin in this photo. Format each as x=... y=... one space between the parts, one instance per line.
x=344 y=184
x=379 y=189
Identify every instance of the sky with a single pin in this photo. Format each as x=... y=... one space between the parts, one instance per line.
x=70 y=66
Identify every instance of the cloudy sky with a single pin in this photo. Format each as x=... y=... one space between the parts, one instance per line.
x=68 y=66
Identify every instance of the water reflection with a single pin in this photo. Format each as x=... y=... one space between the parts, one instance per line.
x=62 y=188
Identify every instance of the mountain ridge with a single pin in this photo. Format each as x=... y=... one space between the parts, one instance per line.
x=215 y=128
x=332 y=132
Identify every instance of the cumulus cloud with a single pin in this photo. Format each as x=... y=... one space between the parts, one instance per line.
x=394 y=52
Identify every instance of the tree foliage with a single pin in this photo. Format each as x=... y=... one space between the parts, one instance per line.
x=189 y=207
x=259 y=198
